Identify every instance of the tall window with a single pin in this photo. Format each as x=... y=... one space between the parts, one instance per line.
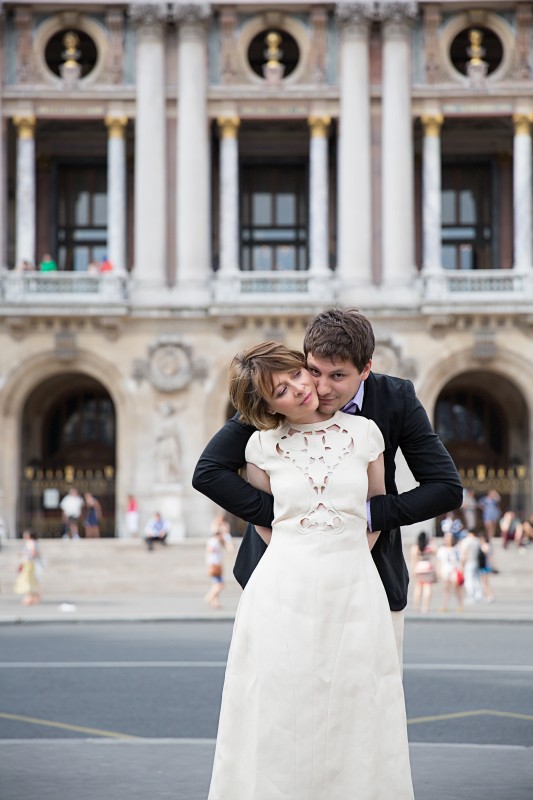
x=274 y=217
x=81 y=215
x=467 y=216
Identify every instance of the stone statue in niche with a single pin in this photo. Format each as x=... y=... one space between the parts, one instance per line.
x=168 y=460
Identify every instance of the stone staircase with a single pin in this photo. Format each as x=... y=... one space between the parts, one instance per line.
x=104 y=567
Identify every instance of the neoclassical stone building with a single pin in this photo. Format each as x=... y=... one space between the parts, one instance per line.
x=242 y=166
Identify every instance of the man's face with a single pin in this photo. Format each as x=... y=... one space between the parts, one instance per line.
x=336 y=382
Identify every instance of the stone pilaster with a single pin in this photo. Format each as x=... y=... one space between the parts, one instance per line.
x=522 y=188
x=431 y=193
x=397 y=147
x=318 y=195
x=25 y=189
x=354 y=200
x=116 y=191
x=229 y=195
x=150 y=149
x=192 y=200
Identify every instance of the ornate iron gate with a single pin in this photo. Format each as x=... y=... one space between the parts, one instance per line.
x=42 y=489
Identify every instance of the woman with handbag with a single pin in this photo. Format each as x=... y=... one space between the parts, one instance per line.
x=219 y=541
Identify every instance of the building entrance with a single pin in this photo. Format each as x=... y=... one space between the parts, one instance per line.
x=483 y=421
x=67 y=440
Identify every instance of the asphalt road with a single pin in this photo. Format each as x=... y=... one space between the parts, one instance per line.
x=130 y=710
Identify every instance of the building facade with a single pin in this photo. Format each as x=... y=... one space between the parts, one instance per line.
x=241 y=167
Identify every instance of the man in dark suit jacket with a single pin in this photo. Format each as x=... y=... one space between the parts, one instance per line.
x=339 y=344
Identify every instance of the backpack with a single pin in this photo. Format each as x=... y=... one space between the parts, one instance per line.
x=481 y=559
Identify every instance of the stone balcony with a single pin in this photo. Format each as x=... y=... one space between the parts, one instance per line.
x=53 y=289
x=477 y=288
x=282 y=287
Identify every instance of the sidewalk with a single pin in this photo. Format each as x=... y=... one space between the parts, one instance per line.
x=109 y=580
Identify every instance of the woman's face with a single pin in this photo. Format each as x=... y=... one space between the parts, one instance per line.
x=293 y=395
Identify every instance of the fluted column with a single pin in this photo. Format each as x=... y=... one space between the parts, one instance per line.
x=431 y=193
x=150 y=146
x=318 y=195
x=397 y=147
x=523 y=252
x=192 y=201
x=25 y=189
x=229 y=195
x=116 y=191
x=354 y=200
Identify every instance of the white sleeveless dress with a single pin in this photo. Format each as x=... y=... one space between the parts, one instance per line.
x=313 y=705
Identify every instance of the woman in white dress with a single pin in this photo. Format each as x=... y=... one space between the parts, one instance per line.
x=313 y=705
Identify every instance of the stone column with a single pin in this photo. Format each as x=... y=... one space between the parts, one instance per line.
x=25 y=190
x=354 y=198
x=116 y=192
x=318 y=196
x=397 y=147
x=150 y=147
x=229 y=195
x=523 y=252
x=431 y=194
x=193 y=222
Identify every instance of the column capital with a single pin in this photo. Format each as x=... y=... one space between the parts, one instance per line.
x=190 y=13
x=149 y=15
x=354 y=16
x=397 y=17
x=432 y=124
x=25 y=126
x=522 y=124
x=228 y=127
x=319 y=126
x=116 y=126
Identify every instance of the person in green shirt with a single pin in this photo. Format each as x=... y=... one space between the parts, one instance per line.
x=47 y=264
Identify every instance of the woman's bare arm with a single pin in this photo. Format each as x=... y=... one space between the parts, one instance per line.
x=376 y=486
x=258 y=478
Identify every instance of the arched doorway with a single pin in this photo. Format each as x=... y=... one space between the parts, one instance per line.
x=67 y=440
x=483 y=421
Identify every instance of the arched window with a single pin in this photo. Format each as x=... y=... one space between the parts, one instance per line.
x=81 y=430
x=473 y=428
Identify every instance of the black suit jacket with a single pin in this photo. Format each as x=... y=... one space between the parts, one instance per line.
x=394 y=407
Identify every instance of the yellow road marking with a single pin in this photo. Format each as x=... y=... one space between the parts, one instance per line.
x=462 y=714
x=66 y=727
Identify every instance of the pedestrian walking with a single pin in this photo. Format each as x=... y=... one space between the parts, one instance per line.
x=423 y=569
x=92 y=516
x=469 y=549
x=490 y=508
x=29 y=569
x=450 y=572
x=218 y=542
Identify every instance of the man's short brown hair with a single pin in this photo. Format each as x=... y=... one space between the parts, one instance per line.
x=251 y=381
x=340 y=334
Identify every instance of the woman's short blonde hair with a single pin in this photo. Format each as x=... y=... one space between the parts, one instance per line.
x=251 y=381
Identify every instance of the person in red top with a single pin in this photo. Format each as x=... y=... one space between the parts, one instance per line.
x=105 y=265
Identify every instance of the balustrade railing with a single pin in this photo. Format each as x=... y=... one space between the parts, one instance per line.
x=478 y=285
x=46 y=287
